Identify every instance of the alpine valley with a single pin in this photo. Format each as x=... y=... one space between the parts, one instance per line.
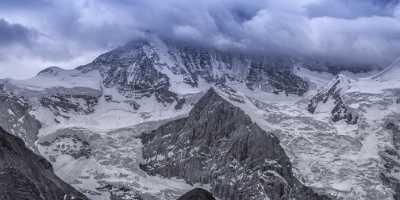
x=161 y=120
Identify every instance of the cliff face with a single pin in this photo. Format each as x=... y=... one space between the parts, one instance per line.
x=27 y=176
x=218 y=144
x=16 y=119
x=144 y=68
x=391 y=157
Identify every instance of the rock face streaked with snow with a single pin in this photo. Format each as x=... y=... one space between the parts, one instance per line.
x=340 y=110
x=16 y=119
x=141 y=68
x=336 y=129
x=25 y=175
x=218 y=144
x=391 y=157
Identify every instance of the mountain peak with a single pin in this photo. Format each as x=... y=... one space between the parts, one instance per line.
x=218 y=144
x=210 y=97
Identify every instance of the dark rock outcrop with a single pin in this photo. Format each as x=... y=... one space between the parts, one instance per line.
x=197 y=194
x=218 y=144
x=272 y=74
x=27 y=176
x=68 y=144
x=340 y=111
x=275 y=75
x=65 y=103
x=16 y=119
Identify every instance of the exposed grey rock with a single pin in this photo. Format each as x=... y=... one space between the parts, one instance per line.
x=27 y=176
x=136 y=69
x=197 y=194
x=133 y=104
x=272 y=74
x=275 y=75
x=132 y=69
x=52 y=71
x=78 y=146
x=340 y=111
x=16 y=119
x=60 y=101
x=218 y=144
x=391 y=157
x=195 y=62
x=65 y=103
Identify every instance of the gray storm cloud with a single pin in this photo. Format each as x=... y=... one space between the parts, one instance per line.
x=69 y=33
x=15 y=34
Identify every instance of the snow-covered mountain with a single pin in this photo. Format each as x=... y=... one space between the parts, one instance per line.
x=339 y=132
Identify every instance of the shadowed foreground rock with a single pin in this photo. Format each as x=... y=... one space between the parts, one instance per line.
x=27 y=176
x=218 y=144
x=197 y=194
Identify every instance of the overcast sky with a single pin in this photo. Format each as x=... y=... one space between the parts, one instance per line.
x=35 y=34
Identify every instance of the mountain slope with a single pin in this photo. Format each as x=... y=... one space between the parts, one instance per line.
x=27 y=176
x=15 y=117
x=218 y=144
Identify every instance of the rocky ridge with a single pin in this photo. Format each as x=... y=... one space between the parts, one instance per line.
x=25 y=175
x=218 y=144
x=15 y=117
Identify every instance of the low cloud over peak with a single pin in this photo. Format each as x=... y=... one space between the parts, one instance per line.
x=61 y=32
